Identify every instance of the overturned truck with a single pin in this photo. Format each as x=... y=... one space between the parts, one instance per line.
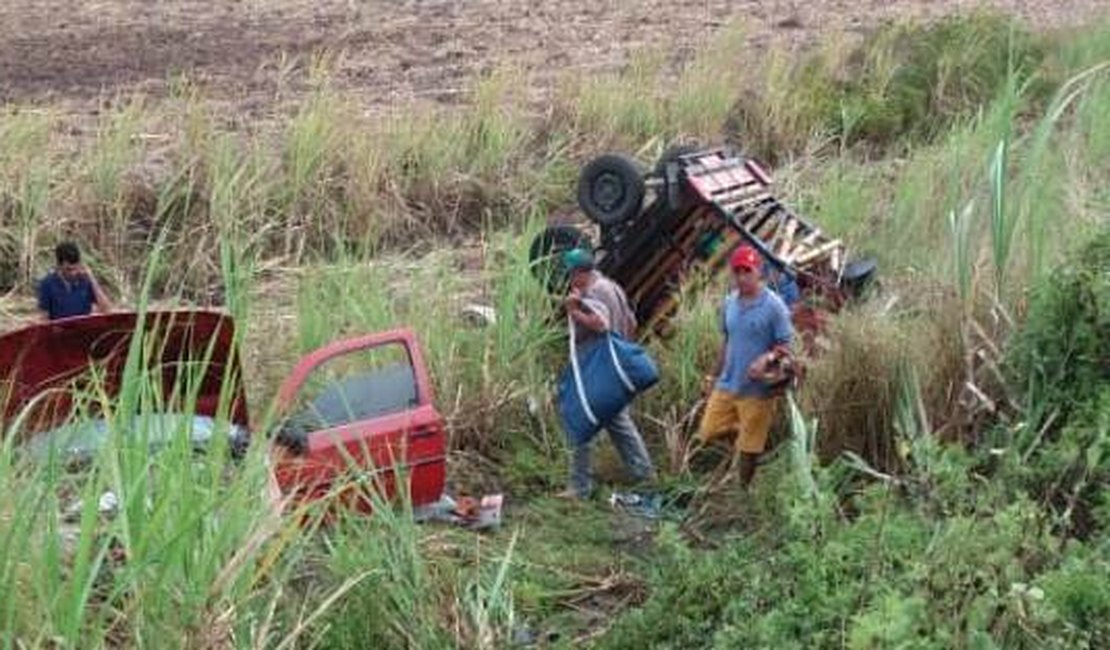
x=661 y=228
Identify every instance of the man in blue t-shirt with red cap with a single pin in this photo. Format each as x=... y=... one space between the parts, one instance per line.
x=70 y=289
x=757 y=335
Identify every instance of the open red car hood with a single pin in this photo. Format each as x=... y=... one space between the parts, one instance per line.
x=47 y=363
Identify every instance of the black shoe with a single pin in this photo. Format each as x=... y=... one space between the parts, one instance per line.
x=708 y=458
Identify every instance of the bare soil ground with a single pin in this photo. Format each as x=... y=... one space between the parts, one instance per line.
x=251 y=52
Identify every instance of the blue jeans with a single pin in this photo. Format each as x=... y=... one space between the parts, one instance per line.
x=630 y=445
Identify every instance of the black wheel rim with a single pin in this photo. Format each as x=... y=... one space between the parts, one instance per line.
x=608 y=191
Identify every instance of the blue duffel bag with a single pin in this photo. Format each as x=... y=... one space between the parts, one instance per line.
x=600 y=381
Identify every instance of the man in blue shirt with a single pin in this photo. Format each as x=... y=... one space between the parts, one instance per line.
x=70 y=289
x=757 y=334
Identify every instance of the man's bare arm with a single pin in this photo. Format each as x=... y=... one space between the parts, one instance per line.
x=718 y=367
x=99 y=296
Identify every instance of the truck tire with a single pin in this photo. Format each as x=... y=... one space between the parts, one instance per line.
x=611 y=189
x=859 y=276
x=672 y=154
x=545 y=254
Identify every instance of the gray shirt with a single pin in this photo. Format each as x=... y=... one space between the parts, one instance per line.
x=616 y=311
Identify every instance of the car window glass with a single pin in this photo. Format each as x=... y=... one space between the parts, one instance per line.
x=356 y=386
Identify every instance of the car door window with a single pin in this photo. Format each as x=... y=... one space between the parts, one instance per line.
x=356 y=386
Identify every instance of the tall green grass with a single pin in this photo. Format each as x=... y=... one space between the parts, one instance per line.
x=24 y=192
x=483 y=375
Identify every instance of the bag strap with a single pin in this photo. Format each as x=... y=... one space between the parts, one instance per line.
x=617 y=365
x=579 y=387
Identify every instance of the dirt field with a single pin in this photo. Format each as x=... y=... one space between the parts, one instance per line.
x=71 y=51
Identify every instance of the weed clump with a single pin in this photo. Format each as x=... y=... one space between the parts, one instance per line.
x=1062 y=360
x=916 y=81
x=905 y=82
x=1062 y=353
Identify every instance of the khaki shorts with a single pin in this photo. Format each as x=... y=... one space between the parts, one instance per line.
x=748 y=419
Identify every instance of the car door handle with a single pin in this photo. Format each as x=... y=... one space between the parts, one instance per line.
x=424 y=432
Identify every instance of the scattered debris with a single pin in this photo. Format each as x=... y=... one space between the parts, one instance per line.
x=522 y=636
x=467 y=512
x=477 y=315
x=669 y=503
x=535 y=409
x=108 y=504
x=648 y=506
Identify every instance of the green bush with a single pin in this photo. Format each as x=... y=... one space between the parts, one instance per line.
x=907 y=81
x=1060 y=355
x=934 y=75
x=1060 y=358
x=1077 y=599
x=890 y=579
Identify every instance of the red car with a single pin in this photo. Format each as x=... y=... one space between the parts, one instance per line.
x=354 y=413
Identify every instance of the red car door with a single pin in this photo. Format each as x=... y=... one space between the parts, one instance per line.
x=358 y=417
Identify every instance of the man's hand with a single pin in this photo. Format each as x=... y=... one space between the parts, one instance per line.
x=763 y=366
x=573 y=301
x=582 y=315
x=773 y=367
x=101 y=298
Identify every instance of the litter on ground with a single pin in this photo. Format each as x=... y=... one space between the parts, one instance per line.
x=467 y=512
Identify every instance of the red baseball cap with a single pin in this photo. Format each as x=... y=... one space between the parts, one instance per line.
x=745 y=257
